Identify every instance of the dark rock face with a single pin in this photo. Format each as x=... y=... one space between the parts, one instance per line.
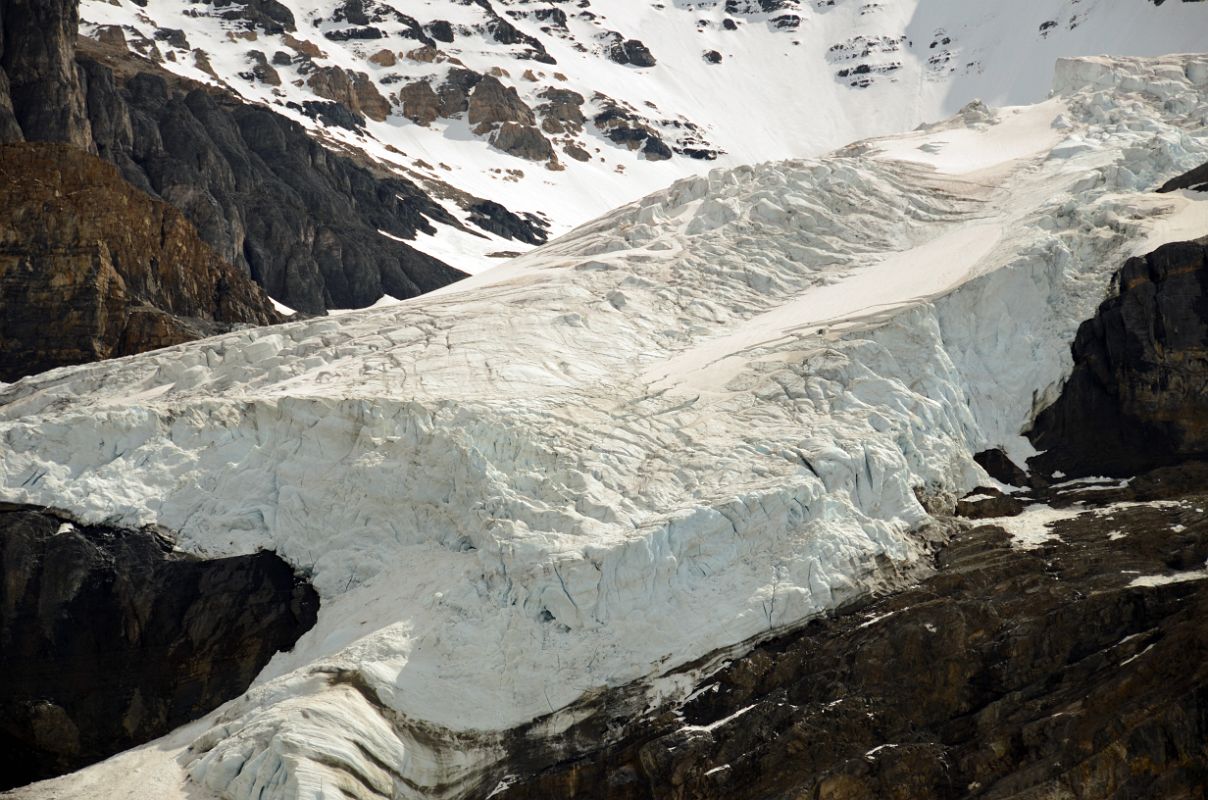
x=629 y=51
x=1135 y=399
x=37 y=62
x=93 y=268
x=1196 y=180
x=109 y=638
x=268 y=15
x=302 y=221
x=1011 y=673
x=299 y=219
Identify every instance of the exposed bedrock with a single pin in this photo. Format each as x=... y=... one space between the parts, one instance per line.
x=40 y=97
x=109 y=637
x=1076 y=669
x=93 y=268
x=301 y=220
x=1136 y=399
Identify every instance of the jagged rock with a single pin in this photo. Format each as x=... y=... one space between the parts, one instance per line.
x=986 y=502
x=269 y=16
x=1196 y=180
x=174 y=37
x=441 y=31
x=712 y=57
x=1135 y=398
x=491 y=103
x=626 y=128
x=999 y=466
x=117 y=271
x=522 y=141
x=562 y=111
x=495 y=218
x=354 y=89
x=262 y=70
x=629 y=51
x=454 y=93
x=110 y=638
x=576 y=152
x=420 y=103
x=37 y=60
x=1043 y=673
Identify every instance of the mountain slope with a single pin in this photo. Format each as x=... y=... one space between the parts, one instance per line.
x=567 y=110
x=698 y=420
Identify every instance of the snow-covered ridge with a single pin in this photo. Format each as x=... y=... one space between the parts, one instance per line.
x=590 y=128
x=709 y=414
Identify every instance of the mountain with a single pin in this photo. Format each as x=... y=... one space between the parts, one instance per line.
x=561 y=111
x=550 y=507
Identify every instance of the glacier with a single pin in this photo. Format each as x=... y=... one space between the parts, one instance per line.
x=701 y=419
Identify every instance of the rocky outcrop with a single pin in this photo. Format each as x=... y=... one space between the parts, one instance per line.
x=625 y=127
x=301 y=220
x=92 y=268
x=110 y=637
x=562 y=111
x=1195 y=180
x=491 y=103
x=354 y=89
x=522 y=141
x=269 y=16
x=1135 y=399
x=38 y=73
x=628 y=51
x=1072 y=670
x=420 y=102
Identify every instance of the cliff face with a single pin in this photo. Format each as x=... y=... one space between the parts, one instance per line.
x=109 y=637
x=298 y=218
x=40 y=93
x=92 y=268
x=301 y=220
x=1135 y=398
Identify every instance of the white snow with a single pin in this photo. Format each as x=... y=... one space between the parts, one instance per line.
x=776 y=94
x=1150 y=581
x=645 y=442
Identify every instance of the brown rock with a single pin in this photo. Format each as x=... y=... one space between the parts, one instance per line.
x=425 y=55
x=562 y=111
x=117 y=271
x=522 y=141
x=420 y=103
x=1010 y=673
x=303 y=46
x=111 y=35
x=353 y=89
x=492 y=103
x=384 y=58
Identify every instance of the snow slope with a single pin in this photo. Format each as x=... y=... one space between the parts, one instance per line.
x=707 y=415
x=795 y=80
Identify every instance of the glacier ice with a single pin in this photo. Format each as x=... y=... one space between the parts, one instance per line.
x=708 y=415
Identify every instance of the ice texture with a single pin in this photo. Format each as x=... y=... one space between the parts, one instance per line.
x=704 y=417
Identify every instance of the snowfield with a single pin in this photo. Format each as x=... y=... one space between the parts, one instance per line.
x=779 y=91
x=706 y=416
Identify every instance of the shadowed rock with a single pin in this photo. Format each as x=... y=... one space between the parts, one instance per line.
x=110 y=638
x=1135 y=399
